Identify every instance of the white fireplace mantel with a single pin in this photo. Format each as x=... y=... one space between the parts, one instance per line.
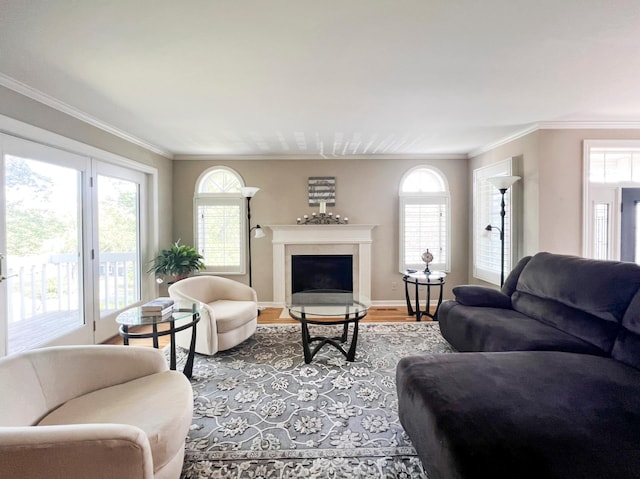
x=360 y=236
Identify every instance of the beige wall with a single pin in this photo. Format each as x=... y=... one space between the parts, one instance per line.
x=552 y=162
x=366 y=192
x=561 y=185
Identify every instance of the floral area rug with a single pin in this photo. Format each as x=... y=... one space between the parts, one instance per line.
x=260 y=412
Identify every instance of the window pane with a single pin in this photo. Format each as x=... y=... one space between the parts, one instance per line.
x=487 y=245
x=601 y=231
x=119 y=273
x=614 y=166
x=596 y=168
x=219 y=181
x=637 y=236
x=635 y=168
x=220 y=234
x=425 y=228
x=43 y=213
x=423 y=180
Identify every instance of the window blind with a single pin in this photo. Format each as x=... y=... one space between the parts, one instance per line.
x=486 y=211
x=425 y=227
x=220 y=234
x=601 y=231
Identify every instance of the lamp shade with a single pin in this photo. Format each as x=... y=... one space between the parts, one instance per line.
x=259 y=233
x=503 y=182
x=249 y=191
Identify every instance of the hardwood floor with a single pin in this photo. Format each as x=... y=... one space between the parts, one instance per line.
x=379 y=314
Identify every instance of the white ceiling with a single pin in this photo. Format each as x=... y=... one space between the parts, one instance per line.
x=325 y=78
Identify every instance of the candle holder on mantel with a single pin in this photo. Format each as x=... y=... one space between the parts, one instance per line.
x=322 y=217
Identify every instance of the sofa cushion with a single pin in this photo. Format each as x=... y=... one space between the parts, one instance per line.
x=473 y=295
x=469 y=328
x=521 y=415
x=511 y=281
x=576 y=322
x=233 y=314
x=583 y=297
x=158 y=404
x=19 y=380
x=627 y=345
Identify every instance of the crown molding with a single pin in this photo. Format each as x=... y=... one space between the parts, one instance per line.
x=56 y=104
x=589 y=125
x=222 y=157
x=558 y=125
x=508 y=139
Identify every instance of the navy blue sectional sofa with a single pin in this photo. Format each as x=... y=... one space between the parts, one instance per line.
x=546 y=381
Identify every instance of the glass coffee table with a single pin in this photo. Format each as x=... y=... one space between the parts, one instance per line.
x=182 y=310
x=328 y=307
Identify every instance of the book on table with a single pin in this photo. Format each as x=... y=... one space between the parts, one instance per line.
x=165 y=313
x=157 y=307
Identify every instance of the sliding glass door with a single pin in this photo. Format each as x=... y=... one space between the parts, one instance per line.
x=43 y=272
x=71 y=231
x=118 y=201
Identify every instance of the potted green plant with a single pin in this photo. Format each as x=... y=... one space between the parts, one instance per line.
x=179 y=261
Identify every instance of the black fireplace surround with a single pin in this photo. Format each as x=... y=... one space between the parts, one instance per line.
x=313 y=272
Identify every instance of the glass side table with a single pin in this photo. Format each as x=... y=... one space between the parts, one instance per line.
x=188 y=310
x=420 y=278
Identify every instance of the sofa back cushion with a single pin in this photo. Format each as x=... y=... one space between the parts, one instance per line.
x=510 y=284
x=22 y=402
x=34 y=382
x=582 y=297
x=627 y=346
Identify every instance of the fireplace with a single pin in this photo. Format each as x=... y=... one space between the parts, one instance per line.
x=327 y=271
x=320 y=240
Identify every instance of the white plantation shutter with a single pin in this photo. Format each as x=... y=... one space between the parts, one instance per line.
x=486 y=211
x=220 y=221
x=220 y=231
x=425 y=227
x=424 y=219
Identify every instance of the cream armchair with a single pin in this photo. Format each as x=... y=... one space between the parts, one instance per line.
x=103 y=412
x=230 y=313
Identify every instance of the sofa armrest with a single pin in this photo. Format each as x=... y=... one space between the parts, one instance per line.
x=473 y=295
x=99 y=451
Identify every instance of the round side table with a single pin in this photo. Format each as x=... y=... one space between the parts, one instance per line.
x=182 y=310
x=435 y=279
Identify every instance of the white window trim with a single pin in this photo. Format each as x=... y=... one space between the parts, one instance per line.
x=149 y=234
x=200 y=199
x=604 y=193
x=421 y=197
x=513 y=220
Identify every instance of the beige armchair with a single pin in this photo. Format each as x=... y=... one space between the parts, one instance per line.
x=103 y=412
x=230 y=313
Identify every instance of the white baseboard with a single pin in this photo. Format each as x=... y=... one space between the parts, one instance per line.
x=377 y=303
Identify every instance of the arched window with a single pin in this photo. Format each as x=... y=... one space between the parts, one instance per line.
x=424 y=219
x=219 y=220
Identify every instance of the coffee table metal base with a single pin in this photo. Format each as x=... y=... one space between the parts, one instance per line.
x=307 y=339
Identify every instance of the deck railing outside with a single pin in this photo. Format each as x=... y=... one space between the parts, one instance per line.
x=39 y=285
x=45 y=295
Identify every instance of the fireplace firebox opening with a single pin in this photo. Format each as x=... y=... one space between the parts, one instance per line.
x=331 y=271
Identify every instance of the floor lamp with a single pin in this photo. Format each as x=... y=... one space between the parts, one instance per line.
x=503 y=183
x=248 y=192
